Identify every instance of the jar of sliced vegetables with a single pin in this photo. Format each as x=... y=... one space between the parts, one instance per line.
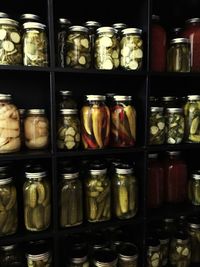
x=157 y=126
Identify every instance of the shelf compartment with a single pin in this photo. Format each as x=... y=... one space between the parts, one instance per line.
x=186 y=146
x=23 y=155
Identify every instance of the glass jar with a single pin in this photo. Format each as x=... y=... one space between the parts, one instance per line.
x=10 y=42
x=178 y=55
x=37 y=195
x=98 y=242
x=192 y=119
x=194 y=189
x=128 y=255
x=95 y=122
x=155 y=185
x=68 y=135
x=157 y=126
x=194 y=234
x=97 y=193
x=180 y=250
x=105 y=258
x=27 y=17
x=158 y=45
x=131 y=49
x=123 y=122
x=169 y=102
x=8 y=205
x=192 y=32
x=10 y=125
x=66 y=100
x=78 y=258
x=175 y=180
x=10 y=256
x=153 y=252
x=125 y=192
x=78 y=48
x=175 y=125
x=106 y=49
x=164 y=246
x=70 y=205
x=36 y=129
x=62 y=31
x=35 y=44
x=22 y=112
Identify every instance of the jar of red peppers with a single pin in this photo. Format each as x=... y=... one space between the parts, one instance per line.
x=158 y=45
x=175 y=177
x=123 y=121
x=155 y=188
x=95 y=122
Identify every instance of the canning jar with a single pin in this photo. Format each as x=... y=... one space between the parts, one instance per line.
x=35 y=44
x=192 y=119
x=22 y=113
x=164 y=246
x=8 y=211
x=194 y=234
x=10 y=42
x=157 y=126
x=153 y=252
x=175 y=125
x=95 y=122
x=27 y=17
x=10 y=125
x=97 y=193
x=123 y=122
x=194 y=189
x=62 y=32
x=98 y=241
x=68 y=135
x=175 y=180
x=106 y=49
x=36 y=129
x=78 y=48
x=66 y=100
x=178 y=55
x=180 y=250
x=70 y=204
x=11 y=256
x=192 y=32
x=105 y=258
x=37 y=195
x=155 y=185
x=131 y=49
x=78 y=258
x=128 y=255
x=125 y=192
x=158 y=45
x=169 y=102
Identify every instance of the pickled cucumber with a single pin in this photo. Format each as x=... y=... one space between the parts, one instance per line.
x=123 y=199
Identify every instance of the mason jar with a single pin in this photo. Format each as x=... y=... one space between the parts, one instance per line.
x=78 y=48
x=156 y=126
x=10 y=140
x=68 y=135
x=66 y=100
x=164 y=239
x=106 y=49
x=22 y=113
x=95 y=122
x=78 y=258
x=28 y=17
x=10 y=42
x=123 y=121
x=194 y=234
x=97 y=193
x=128 y=255
x=105 y=258
x=70 y=195
x=37 y=199
x=194 y=189
x=192 y=119
x=169 y=102
x=175 y=125
x=125 y=192
x=153 y=252
x=36 y=129
x=11 y=256
x=35 y=44
x=131 y=49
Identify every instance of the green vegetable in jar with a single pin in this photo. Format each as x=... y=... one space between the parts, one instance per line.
x=157 y=126
x=175 y=125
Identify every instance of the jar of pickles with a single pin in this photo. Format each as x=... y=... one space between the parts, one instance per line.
x=10 y=256
x=157 y=126
x=78 y=258
x=153 y=252
x=10 y=42
x=10 y=140
x=70 y=204
x=164 y=246
x=78 y=48
x=125 y=192
x=194 y=233
x=36 y=129
x=194 y=189
x=106 y=49
x=192 y=118
x=22 y=112
x=66 y=100
x=105 y=258
x=37 y=203
x=97 y=193
x=123 y=121
x=128 y=255
x=131 y=49
x=68 y=135
x=95 y=122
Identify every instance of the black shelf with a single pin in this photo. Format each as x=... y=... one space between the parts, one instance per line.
x=25 y=68
x=158 y=148
x=26 y=155
x=174 y=74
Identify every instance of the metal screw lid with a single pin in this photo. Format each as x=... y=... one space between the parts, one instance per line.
x=174 y=110
x=70 y=176
x=8 y=247
x=105 y=258
x=65 y=92
x=132 y=30
x=30 y=17
x=122 y=97
x=157 y=109
x=5 y=97
x=106 y=29
x=180 y=41
x=4 y=15
x=64 y=21
x=35 y=111
x=43 y=256
x=153 y=156
x=127 y=251
x=35 y=175
x=6 y=180
x=96 y=97
x=193 y=97
x=78 y=28
x=192 y=20
x=92 y=23
x=168 y=98
x=124 y=169
x=119 y=25
x=34 y=25
x=173 y=153
x=8 y=21
x=68 y=111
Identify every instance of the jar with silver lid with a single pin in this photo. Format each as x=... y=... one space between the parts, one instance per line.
x=194 y=233
x=175 y=125
x=97 y=193
x=164 y=239
x=169 y=102
x=37 y=199
x=131 y=49
x=78 y=258
x=36 y=129
x=22 y=113
x=153 y=253
x=157 y=126
x=106 y=49
x=105 y=258
x=10 y=42
x=28 y=17
x=194 y=189
x=178 y=56
x=35 y=44
x=66 y=100
x=4 y=15
x=10 y=256
x=78 y=48
x=128 y=255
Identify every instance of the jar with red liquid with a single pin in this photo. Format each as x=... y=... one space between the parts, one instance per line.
x=158 y=45
x=175 y=179
x=155 y=188
x=192 y=32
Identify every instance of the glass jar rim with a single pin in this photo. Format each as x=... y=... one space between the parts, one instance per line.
x=8 y=21
x=6 y=180
x=27 y=16
x=68 y=111
x=70 y=176
x=119 y=25
x=180 y=41
x=35 y=111
x=78 y=28
x=96 y=97
x=92 y=23
x=106 y=29
x=122 y=97
x=98 y=172
x=174 y=110
x=192 y=20
x=64 y=21
x=193 y=97
x=38 y=256
x=5 y=96
x=35 y=175
x=157 y=109
x=123 y=171
x=168 y=98
x=34 y=25
x=132 y=30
